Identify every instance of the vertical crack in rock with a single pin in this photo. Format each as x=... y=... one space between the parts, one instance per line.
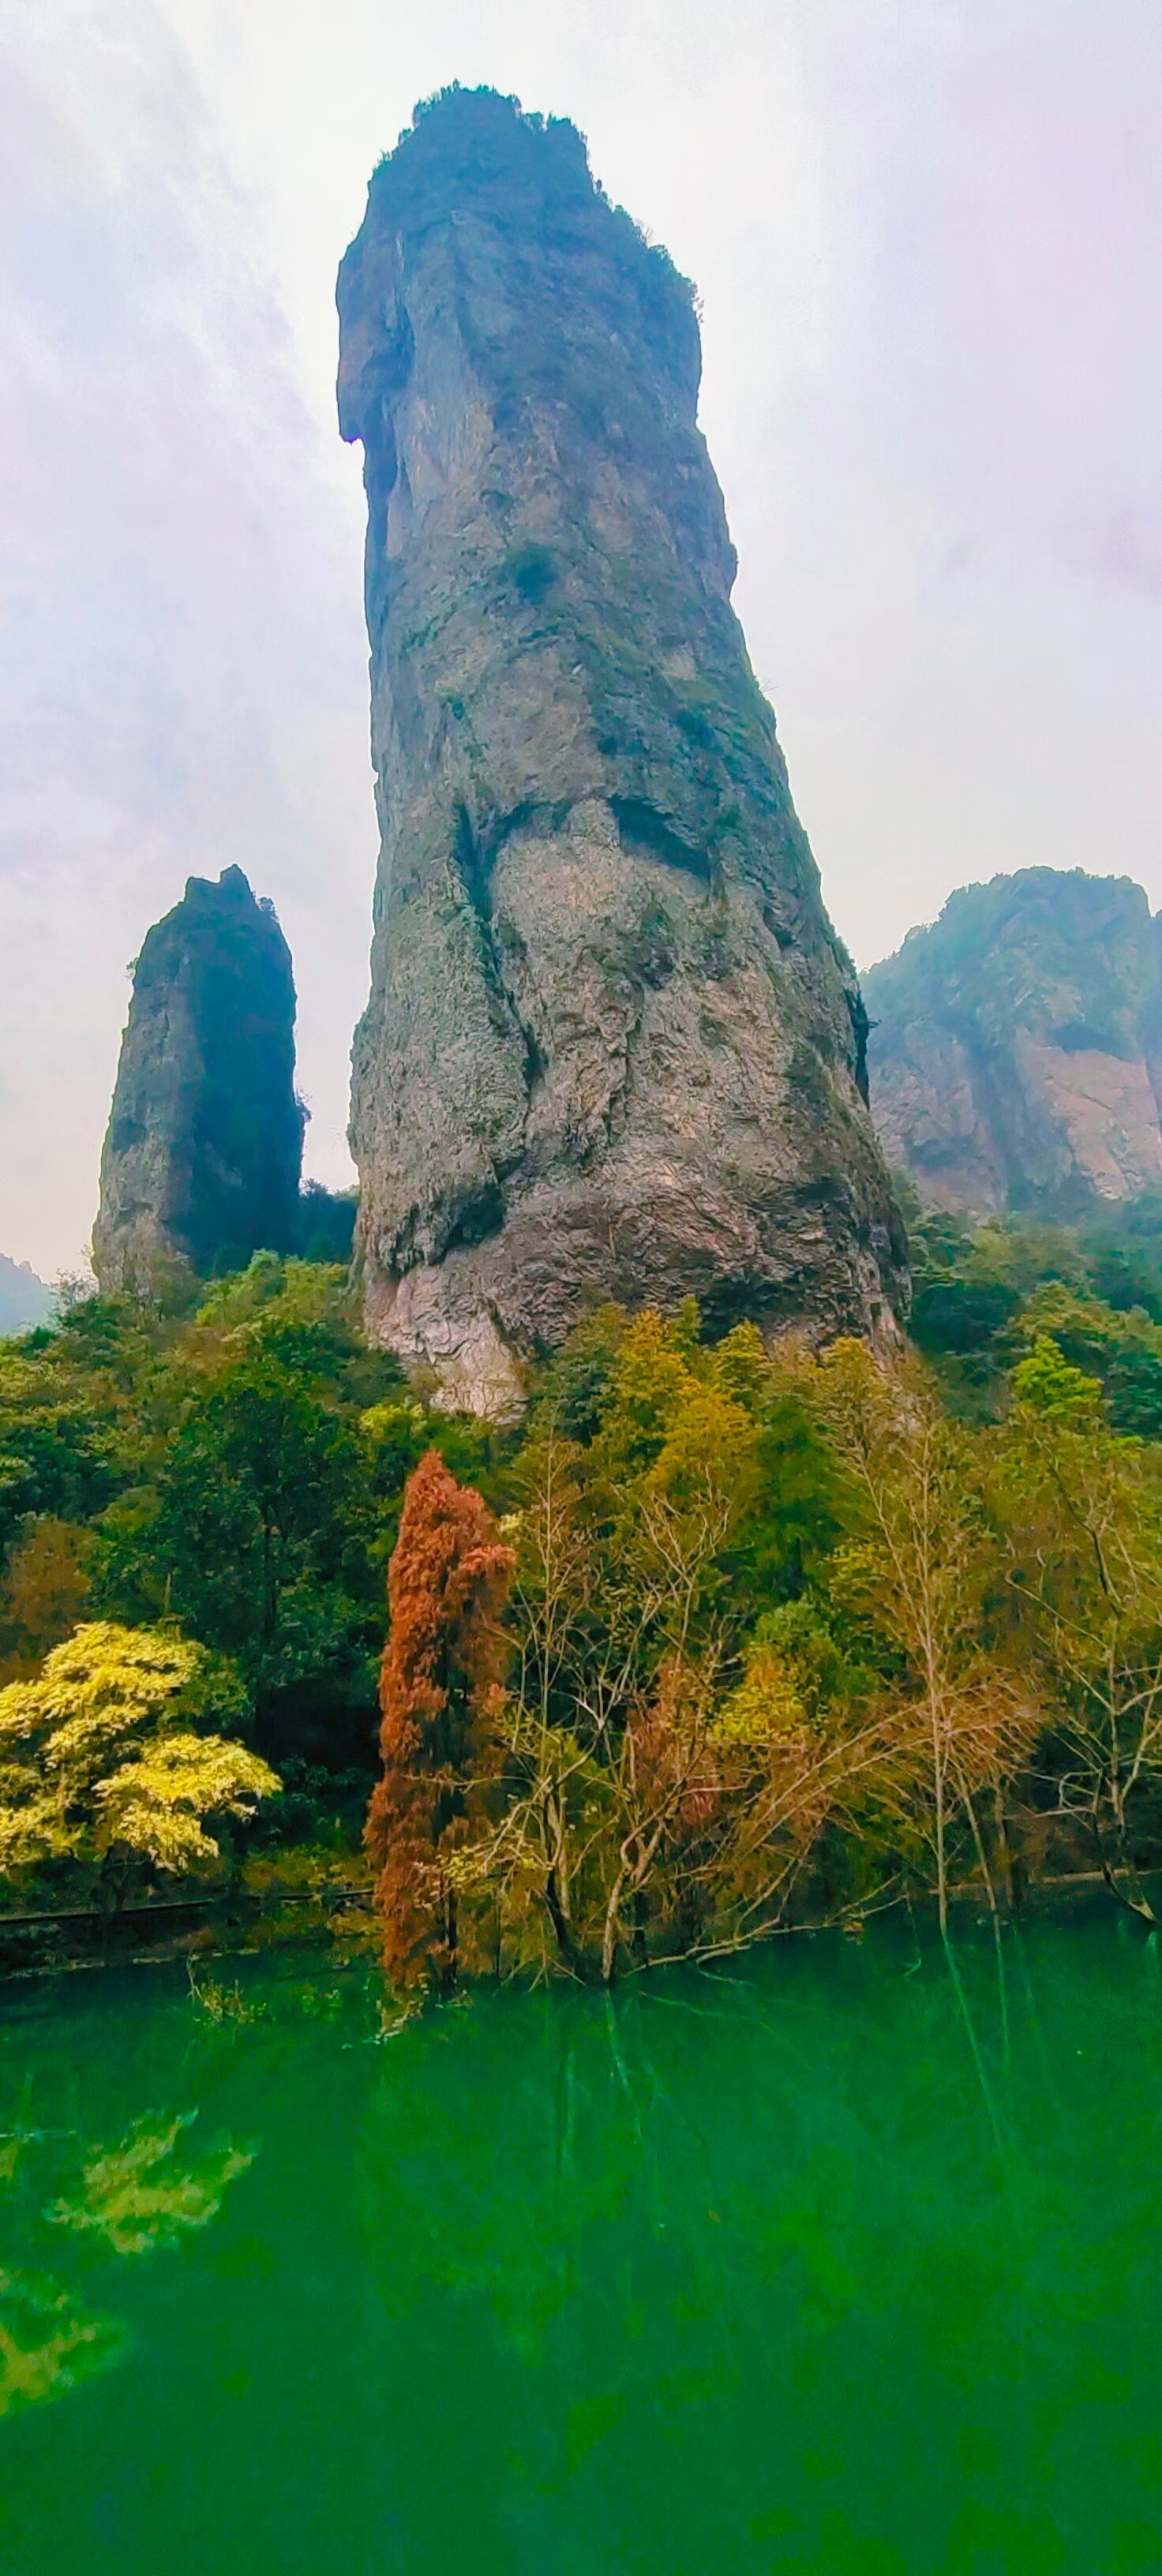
x=613 y=1046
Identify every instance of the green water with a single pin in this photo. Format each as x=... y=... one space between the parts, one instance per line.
x=820 y=2265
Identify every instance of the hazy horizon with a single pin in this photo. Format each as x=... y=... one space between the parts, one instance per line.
x=925 y=237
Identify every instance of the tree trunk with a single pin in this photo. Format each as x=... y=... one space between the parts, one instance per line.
x=570 y=1956
x=610 y=1939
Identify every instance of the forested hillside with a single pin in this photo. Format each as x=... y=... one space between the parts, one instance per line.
x=724 y=1638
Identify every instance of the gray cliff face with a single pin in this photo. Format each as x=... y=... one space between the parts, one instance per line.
x=613 y=1047
x=1015 y=1053
x=202 y=1155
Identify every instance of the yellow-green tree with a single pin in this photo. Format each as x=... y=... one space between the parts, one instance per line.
x=642 y=1822
x=107 y=1760
x=914 y=1573
x=1082 y=1510
x=616 y=1612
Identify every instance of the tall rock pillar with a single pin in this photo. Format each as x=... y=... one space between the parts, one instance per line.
x=205 y=1139
x=613 y=1046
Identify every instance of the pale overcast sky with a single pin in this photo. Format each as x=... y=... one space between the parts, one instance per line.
x=928 y=240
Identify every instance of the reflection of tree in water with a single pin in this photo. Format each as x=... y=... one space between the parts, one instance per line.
x=135 y=2197
x=772 y=2225
x=138 y=2200
x=480 y=2190
x=49 y=2343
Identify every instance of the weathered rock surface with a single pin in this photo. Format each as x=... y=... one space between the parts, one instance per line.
x=1015 y=1054
x=613 y=1046
x=202 y=1156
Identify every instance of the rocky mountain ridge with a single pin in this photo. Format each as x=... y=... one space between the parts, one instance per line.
x=1015 y=1050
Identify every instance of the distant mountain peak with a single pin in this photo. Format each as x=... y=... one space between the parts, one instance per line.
x=204 y=1145
x=24 y=1299
x=1015 y=1056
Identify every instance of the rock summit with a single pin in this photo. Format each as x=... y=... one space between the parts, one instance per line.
x=204 y=1145
x=614 y=1048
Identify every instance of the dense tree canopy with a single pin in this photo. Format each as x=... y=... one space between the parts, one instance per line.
x=725 y=1636
x=236 y=1467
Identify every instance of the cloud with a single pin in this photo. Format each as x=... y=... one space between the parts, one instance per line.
x=1122 y=547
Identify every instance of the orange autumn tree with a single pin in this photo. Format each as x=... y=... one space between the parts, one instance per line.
x=446 y=1586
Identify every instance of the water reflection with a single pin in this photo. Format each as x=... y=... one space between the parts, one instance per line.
x=136 y=2197
x=49 y=2343
x=469 y=2188
x=840 y=2262
x=138 y=2200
